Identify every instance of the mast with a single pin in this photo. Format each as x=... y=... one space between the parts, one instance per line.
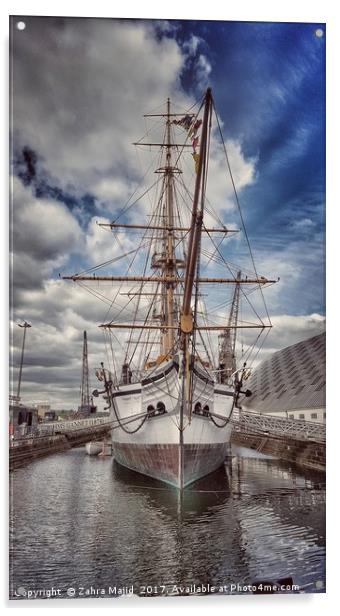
x=196 y=222
x=227 y=339
x=167 y=340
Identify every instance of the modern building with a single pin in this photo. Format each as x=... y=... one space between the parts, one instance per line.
x=292 y=382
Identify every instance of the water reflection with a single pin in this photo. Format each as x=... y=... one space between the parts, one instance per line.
x=80 y=521
x=198 y=499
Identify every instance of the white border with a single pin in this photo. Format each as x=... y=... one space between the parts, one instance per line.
x=247 y=10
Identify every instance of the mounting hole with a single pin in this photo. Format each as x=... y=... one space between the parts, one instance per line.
x=21 y=25
x=319 y=32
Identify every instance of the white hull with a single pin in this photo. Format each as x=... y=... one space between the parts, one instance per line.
x=156 y=447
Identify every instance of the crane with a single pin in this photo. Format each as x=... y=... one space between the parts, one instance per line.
x=86 y=402
x=227 y=339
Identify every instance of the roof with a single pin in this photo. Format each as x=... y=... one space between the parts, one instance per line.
x=292 y=378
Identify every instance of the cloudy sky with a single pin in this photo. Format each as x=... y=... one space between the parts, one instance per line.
x=79 y=90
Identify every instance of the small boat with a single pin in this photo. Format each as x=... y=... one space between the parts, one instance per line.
x=93 y=448
x=168 y=324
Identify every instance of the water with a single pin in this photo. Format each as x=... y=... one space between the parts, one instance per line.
x=82 y=522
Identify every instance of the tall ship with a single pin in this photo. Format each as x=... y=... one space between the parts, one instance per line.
x=173 y=301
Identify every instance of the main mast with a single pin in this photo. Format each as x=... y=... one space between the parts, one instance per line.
x=167 y=340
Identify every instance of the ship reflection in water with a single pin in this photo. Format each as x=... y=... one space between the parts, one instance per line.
x=93 y=526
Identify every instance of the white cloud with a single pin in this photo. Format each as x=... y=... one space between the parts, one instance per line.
x=45 y=228
x=289 y=329
x=190 y=46
x=203 y=69
x=220 y=189
x=302 y=224
x=100 y=244
x=43 y=235
x=112 y=190
x=92 y=84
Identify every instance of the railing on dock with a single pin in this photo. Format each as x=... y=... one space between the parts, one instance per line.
x=61 y=427
x=258 y=423
x=64 y=427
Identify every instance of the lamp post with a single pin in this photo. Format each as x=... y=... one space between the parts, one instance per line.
x=25 y=325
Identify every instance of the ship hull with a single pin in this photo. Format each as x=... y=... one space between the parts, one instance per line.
x=163 y=462
x=163 y=443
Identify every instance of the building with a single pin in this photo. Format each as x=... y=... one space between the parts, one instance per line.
x=292 y=382
x=43 y=408
x=50 y=416
x=23 y=420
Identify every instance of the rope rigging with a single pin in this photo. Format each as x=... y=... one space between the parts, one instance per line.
x=239 y=210
x=164 y=247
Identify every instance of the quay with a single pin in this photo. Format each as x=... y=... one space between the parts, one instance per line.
x=56 y=437
x=301 y=442
x=291 y=383
x=286 y=413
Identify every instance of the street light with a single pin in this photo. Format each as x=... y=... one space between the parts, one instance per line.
x=25 y=325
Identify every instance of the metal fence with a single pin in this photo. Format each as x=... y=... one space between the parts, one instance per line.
x=278 y=426
x=64 y=427
x=60 y=427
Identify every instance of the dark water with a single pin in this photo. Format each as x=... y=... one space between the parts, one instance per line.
x=86 y=523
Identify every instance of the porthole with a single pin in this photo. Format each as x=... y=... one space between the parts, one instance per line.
x=160 y=408
x=198 y=408
x=151 y=410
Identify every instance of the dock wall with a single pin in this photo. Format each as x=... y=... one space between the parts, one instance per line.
x=310 y=454
x=28 y=449
x=23 y=451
